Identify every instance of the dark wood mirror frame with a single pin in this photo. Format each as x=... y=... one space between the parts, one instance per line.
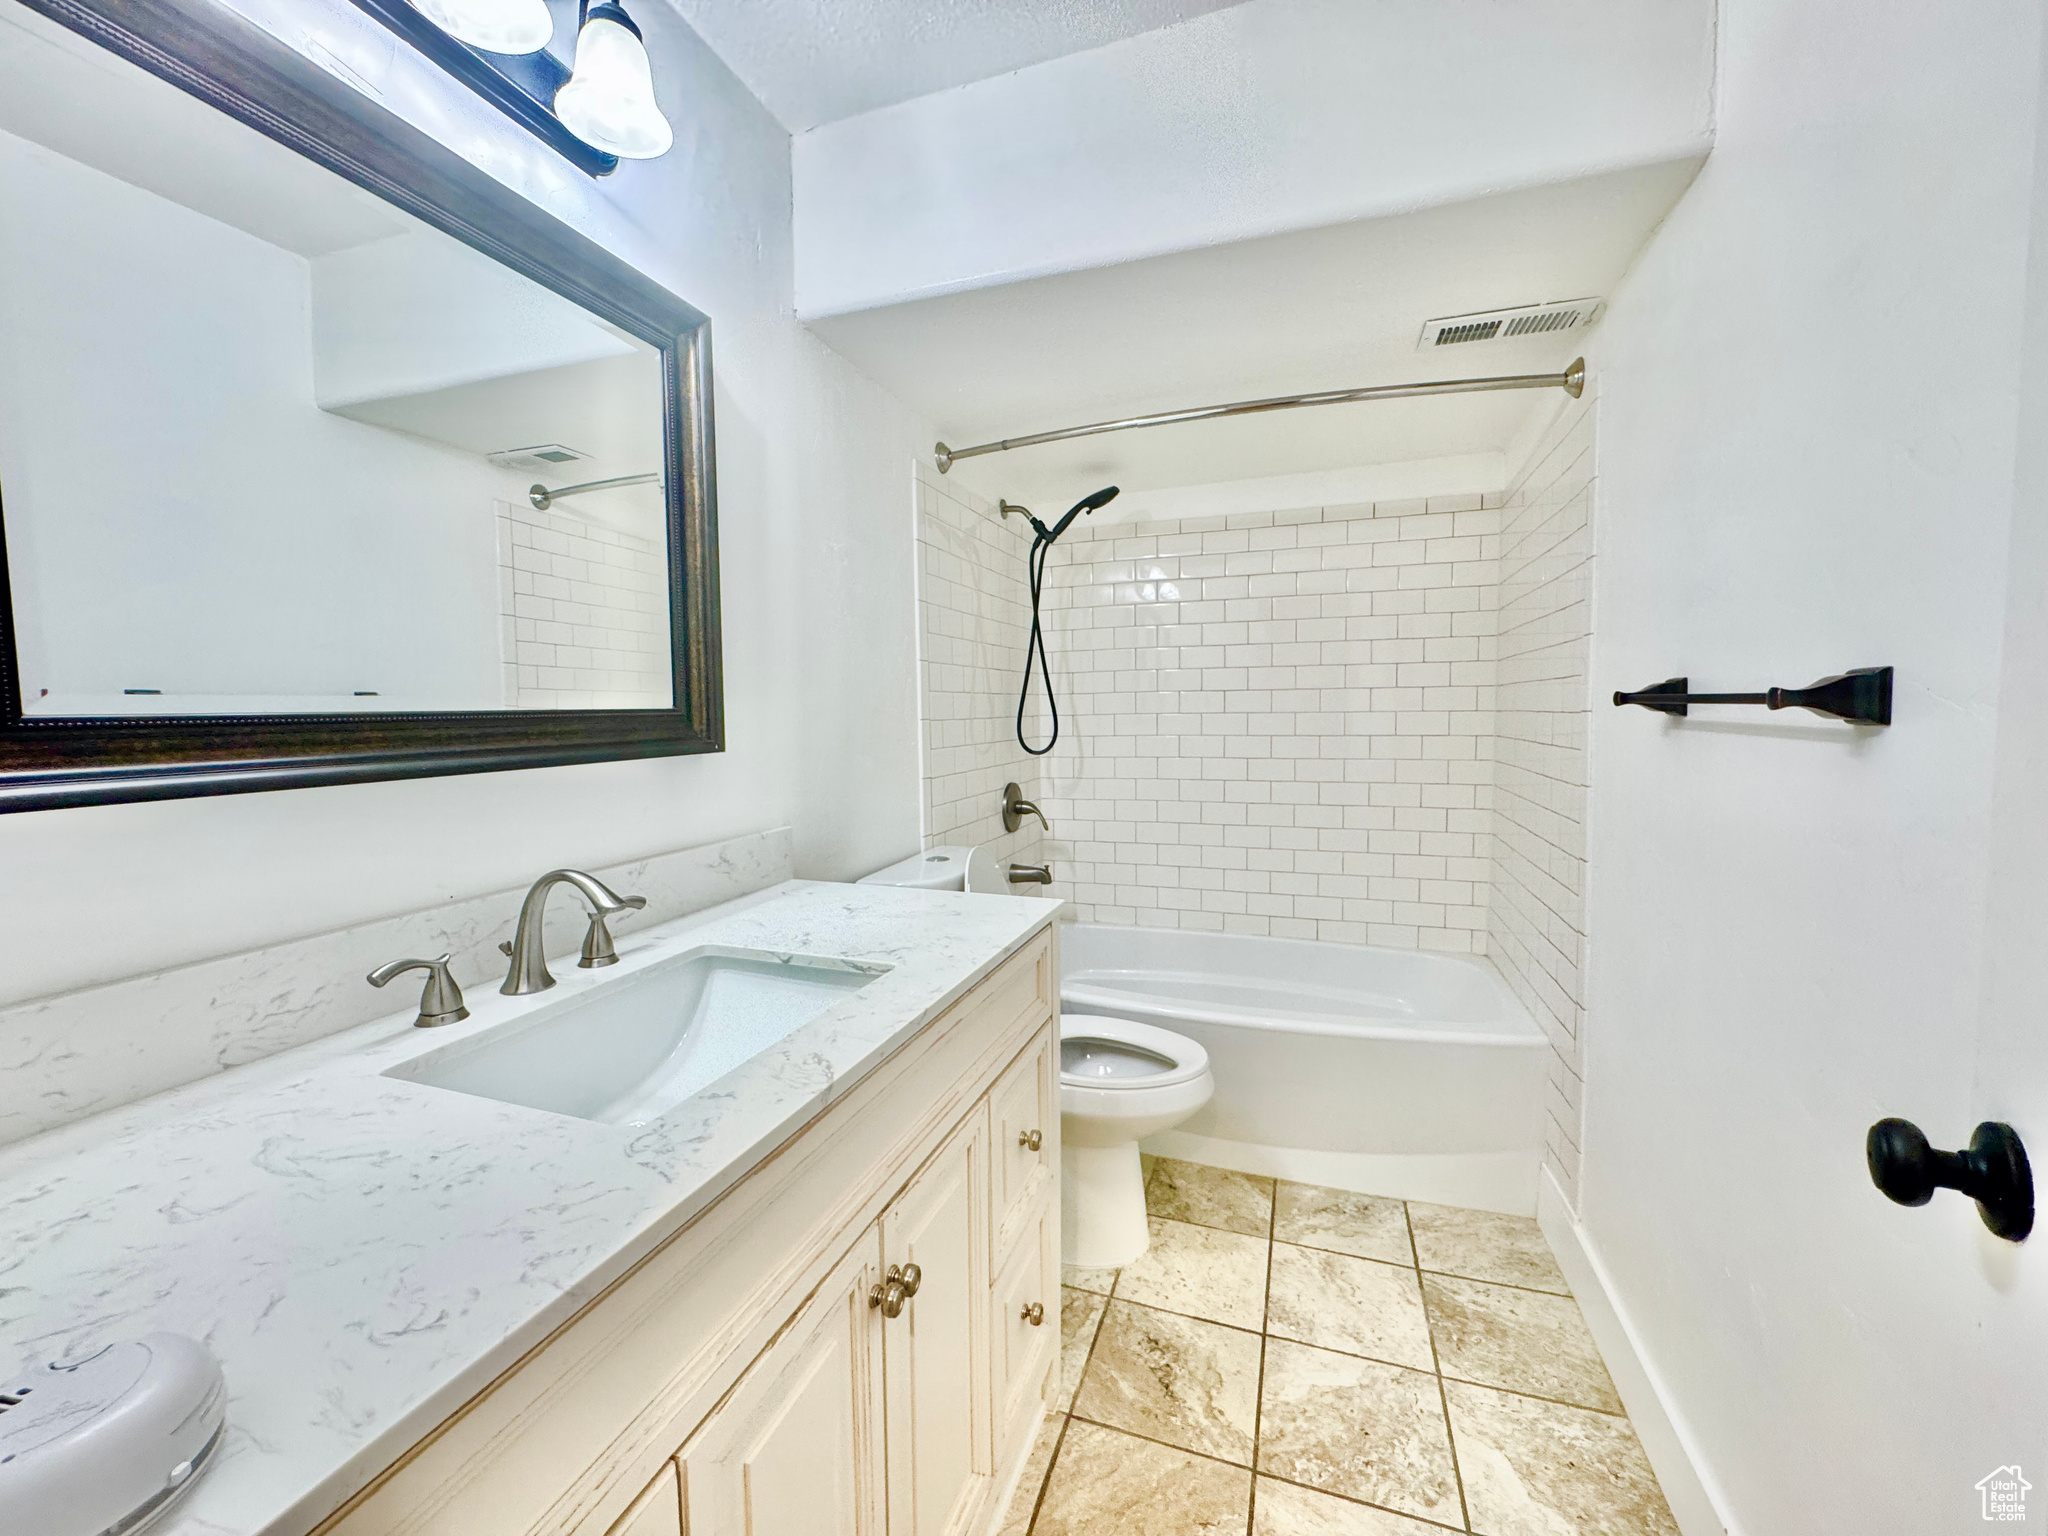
x=215 y=55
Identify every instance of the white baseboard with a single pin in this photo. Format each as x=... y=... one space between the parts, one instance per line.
x=1482 y=1181
x=1696 y=1500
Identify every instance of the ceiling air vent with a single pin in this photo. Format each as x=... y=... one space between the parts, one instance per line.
x=1504 y=324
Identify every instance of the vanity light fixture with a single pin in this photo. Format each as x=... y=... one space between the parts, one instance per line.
x=594 y=115
x=609 y=99
x=496 y=26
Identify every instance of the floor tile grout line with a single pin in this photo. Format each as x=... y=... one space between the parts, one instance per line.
x=1079 y=1382
x=1352 y=1354
x=1045 y=1477
x=1535 y=1397
x=1363 y=1258
x=1225 y=1461
x=1331 y=1493
x=1442 y=1392
x=1221 y=1461
x=1193 y=1317
x=1251 y=1512
x=1414 y=1264
x=1506 y=1285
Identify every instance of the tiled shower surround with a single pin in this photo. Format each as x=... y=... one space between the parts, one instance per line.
x=1360 y=724
x=1536 y=930
x=974 y=614
x=584 y=613
x=1280 y=722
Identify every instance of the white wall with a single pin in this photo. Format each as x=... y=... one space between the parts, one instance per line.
x=815 y=546
x=180 y=515
x=1809 y=391
x=1269 y=116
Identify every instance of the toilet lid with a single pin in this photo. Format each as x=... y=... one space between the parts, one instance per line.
x=1097 y=1051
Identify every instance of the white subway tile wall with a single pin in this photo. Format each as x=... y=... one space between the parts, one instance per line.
x=1536 y=919
x=584 y=614
x=1280 y=723
x=974 y=614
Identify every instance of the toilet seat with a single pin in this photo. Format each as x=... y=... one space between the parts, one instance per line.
x=1120 y=1081
x=1133 y=1056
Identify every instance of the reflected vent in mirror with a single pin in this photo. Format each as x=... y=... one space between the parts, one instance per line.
x=540 y=456
x=1505 y=324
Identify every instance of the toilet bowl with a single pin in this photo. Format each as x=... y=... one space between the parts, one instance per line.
x=1119 y=1082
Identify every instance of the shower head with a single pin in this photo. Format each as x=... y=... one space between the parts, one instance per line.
x=1101 y=498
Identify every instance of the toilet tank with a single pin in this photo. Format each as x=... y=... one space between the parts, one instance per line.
x=952 y=868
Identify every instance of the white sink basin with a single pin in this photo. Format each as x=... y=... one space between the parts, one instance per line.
x=633 y=1049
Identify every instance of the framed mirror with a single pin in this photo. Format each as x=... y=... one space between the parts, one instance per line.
x=324 y=456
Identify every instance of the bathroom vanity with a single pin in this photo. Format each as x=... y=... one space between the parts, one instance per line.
x=816 y=1291
x=768 y=1369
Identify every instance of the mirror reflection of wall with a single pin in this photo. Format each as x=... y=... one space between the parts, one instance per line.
x=267 y=443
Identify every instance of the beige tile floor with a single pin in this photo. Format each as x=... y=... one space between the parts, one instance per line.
x=1295 y=1361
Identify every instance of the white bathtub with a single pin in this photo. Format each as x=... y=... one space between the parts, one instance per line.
x=1381 y=1070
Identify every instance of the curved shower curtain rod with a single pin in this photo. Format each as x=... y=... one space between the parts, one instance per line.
x=1572 y=381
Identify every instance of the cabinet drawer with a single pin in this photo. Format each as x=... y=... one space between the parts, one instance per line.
x=1023 y=1109
x=1026 y=1352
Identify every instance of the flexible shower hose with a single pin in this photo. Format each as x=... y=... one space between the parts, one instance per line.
x=1041 y=547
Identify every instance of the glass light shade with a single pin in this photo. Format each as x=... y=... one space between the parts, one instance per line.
x=608 y=100
x=496 y=26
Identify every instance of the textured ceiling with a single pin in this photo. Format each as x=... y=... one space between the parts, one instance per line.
x=815 y=61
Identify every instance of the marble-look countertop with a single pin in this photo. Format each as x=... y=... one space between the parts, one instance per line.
x=365 y=1253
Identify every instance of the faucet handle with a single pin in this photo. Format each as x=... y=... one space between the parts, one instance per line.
x=597 y=939
x=1016 y=808
x=440 y=1000
x=597 y=943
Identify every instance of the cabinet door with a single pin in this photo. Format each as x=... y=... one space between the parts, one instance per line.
x=1024 y=1109
x=796 y=1449
x=935 y=1354
x=1026 y=1352
x=657 y=1512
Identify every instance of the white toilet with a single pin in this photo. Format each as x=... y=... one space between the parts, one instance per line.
x=1119 y=1081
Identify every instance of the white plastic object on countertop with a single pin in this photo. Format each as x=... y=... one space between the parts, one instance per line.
x=107 y=1445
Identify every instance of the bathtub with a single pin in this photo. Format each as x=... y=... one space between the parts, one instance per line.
x=1381 y=1070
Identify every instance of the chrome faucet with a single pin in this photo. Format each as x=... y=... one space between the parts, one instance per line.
x=528 y=949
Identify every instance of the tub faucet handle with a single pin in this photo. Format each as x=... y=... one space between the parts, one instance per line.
x=440 y=1000
x=1016 y=808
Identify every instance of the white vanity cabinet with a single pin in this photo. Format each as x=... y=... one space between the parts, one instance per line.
x=747 y=1376
x=797 y=1449
x=935 y=1355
